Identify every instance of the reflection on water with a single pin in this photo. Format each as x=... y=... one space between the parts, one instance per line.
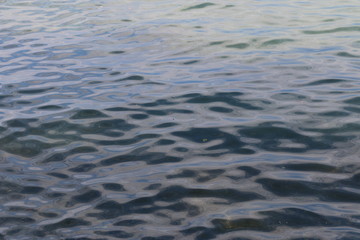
x=179 y=120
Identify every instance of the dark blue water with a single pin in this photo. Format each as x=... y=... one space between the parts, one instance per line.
x=166 y=120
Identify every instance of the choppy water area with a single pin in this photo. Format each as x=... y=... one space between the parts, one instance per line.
x=179 y=119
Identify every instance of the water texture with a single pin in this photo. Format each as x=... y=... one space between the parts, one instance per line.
x=165 y=120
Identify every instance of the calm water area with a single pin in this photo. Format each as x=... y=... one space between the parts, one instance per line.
x=171 y=120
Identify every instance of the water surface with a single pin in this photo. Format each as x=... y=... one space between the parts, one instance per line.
x=179 y=119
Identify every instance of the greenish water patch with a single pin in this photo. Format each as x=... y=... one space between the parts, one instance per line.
x=276 y=42
x=238 y=45
x=199 y=6
x=346 y=54
x=335 y=30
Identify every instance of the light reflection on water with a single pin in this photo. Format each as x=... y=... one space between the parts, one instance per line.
x=179 y=120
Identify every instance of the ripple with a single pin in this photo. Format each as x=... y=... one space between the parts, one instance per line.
x=34 y=91
x=88 y=113
x=238 y=45
x=276 y=42
x=346 y=54
x=354 y=100
x=270 y=138
x=334 y=30
x=228 y=98
x=134 y=77
x=325 y=81
x=202 y=5
x=66 y=223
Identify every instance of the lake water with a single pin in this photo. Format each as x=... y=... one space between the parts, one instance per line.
x=162 y=120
